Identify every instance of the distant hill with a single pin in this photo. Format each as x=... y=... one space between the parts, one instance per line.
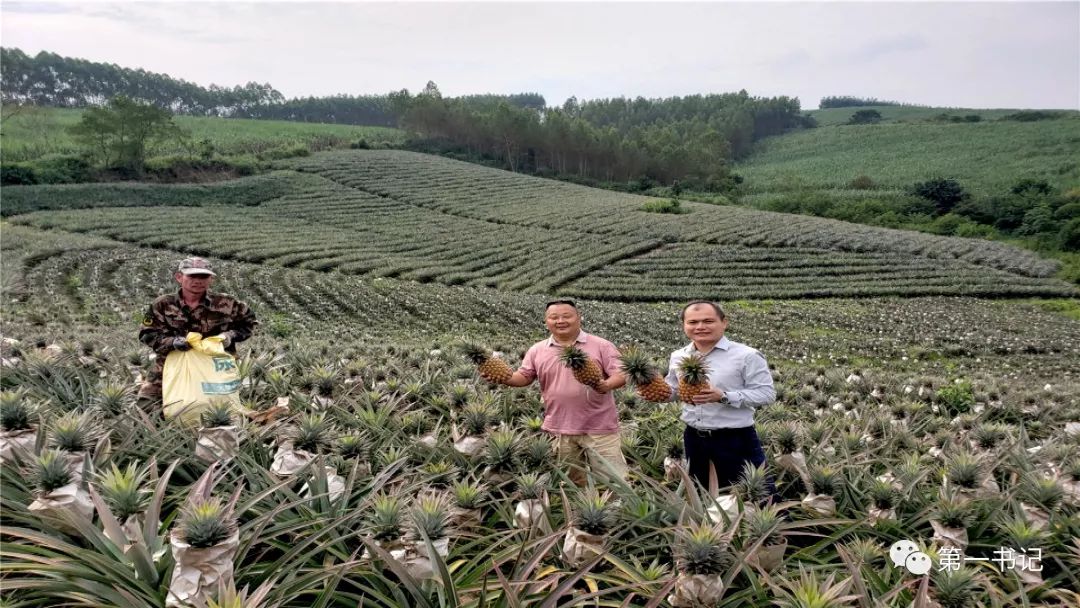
x=987 y=157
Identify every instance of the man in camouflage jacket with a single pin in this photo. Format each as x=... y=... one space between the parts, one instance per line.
x=192 y=308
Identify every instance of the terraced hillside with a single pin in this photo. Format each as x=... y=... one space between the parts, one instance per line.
x=423 y=218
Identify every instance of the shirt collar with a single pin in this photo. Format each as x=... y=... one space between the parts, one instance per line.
x=580 y=339
x=724 y=344
x=204 y=302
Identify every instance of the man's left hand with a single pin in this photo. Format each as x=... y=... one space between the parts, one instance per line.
x=601 y=387
x=226 y=338
x=710 y=396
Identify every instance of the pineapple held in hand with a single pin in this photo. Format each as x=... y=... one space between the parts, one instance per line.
x=586 y=370
x=650 y=384
x=693 y=377
x=491 y=368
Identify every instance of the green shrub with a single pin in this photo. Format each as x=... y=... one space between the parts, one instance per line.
x=863 y=182
x=865 y=117
x=61 y=169
x=664 y=206
x=1067 y=211
x=1069 y=237
x=1032 y=186
x=17 y=174
x=280 y=152
x=945 y=193
x=956 y=397
x=1031 y=116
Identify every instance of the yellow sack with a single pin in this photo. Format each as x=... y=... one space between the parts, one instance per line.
x=193 y=378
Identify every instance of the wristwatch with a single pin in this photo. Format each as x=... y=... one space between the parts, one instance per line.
x=724 y=401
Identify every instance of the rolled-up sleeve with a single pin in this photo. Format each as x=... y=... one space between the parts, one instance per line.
x=528 y=364
x=758 y=390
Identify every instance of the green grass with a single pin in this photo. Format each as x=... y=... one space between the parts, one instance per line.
x=35 y=132
x=987 y=158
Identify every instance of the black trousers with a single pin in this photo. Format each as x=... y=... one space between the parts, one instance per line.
x=727 y=449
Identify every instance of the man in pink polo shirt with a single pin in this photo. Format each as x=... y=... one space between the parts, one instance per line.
x=583 y=420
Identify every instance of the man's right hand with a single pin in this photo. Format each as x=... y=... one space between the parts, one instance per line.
x=180 y=343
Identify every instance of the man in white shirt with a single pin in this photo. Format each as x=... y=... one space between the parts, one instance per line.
x=720 y=422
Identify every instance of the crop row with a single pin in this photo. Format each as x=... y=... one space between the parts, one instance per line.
x=60 y=281
x=481 y=193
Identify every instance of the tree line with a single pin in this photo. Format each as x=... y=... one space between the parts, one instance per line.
x=692 y=139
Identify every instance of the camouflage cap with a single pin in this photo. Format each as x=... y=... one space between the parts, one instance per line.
x=196 y=266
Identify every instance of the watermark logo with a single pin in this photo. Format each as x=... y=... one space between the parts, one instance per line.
x=907 y=554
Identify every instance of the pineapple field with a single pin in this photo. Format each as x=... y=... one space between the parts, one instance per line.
x=928 y=394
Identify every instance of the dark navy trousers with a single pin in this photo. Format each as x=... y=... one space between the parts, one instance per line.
x=727 y=449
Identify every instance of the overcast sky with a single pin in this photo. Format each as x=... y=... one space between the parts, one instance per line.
x=961 y=54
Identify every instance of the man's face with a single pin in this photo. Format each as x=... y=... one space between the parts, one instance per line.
x=562 y=321
x=703 y=325
x=195 y=284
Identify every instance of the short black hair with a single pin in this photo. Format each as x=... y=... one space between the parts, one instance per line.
x=715 y=306
x=569 y=303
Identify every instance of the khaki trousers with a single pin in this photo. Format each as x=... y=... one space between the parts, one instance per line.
x=601 y=453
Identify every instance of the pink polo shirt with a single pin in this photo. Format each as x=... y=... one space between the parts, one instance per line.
x=570 y=407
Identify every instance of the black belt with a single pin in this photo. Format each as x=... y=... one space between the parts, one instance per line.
x=718 y=432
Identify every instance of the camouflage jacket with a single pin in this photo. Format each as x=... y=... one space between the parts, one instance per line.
x=168 y=317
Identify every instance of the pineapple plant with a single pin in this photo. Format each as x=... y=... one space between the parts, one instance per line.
x=593 y=517
x=702 y=549
x=753 y=484
x=113 y=398
x=884 y=496
x=467 y=495
x=124 y=490
x=965 y=471
x=949 y=519
x=501 y=451
x=475 y=419
x=531 y=507
x=764 y=525
x=352 y=447
x=531 y=486
x=641 y=373
x=594 y=513
x=58 y=493
x=17 y=420
x=586 y=370
x=955 y=588
x=825 y=483
x=386 y=518
x=430 y=514
x=50 y=471
x=74 y=432
x=205 y=522
x=218 y=414
x=437 y=472
x=702 y=555
x=15 y=413
x=490 y=367
x=786 y=437
x=536 y=453
x=693 y=377
x=313 y=433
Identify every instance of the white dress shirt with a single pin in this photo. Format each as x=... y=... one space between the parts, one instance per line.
x=736 y=369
